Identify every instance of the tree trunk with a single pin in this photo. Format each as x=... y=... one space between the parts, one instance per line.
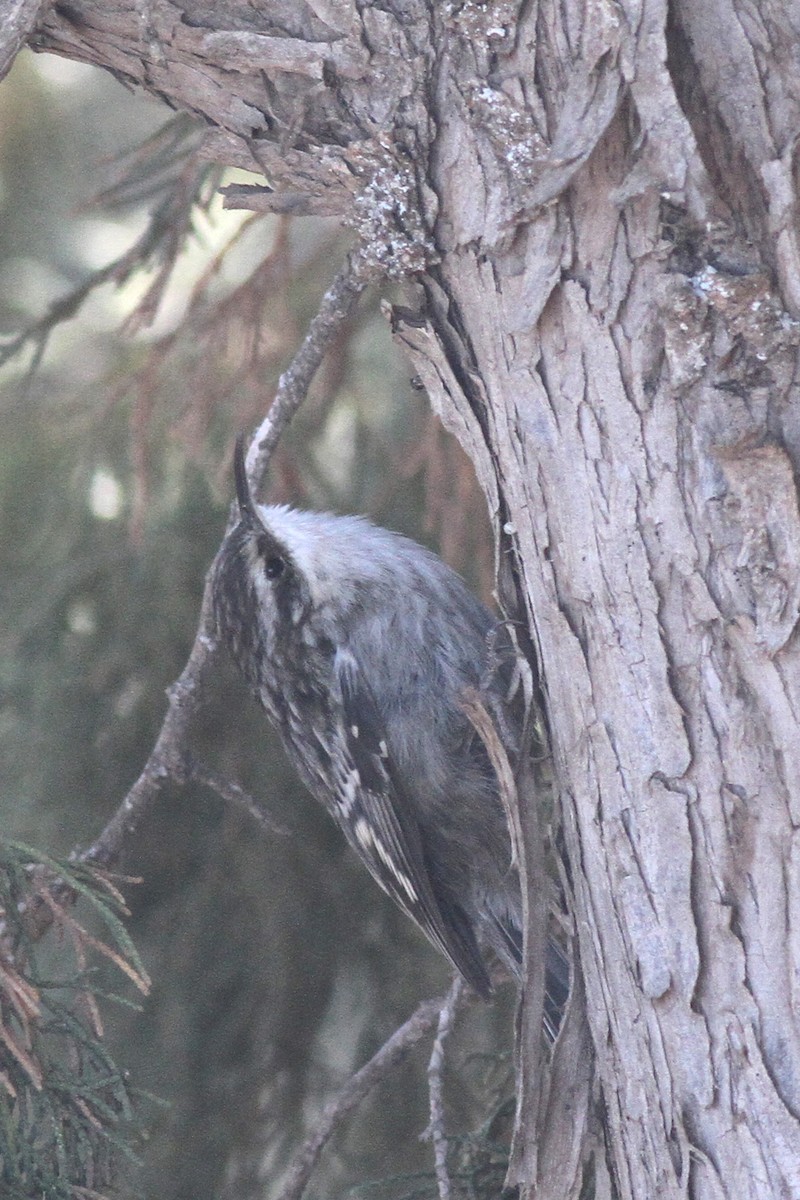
x=594 y=206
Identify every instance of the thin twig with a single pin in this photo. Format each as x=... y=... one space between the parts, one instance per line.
x=390 y=1055
x=336 y=306
x=167 y=760
x=436 y=1130
x=234 y=794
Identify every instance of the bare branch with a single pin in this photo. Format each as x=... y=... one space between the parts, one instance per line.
x=167 y=759
x=435 y=1130
x=390 y=1055
x=337 y=305
x=234 y=794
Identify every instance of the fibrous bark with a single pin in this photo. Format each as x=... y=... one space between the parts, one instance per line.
x=595 y=208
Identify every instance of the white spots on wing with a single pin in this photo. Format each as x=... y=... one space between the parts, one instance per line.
x=354 y=730
x=383 y=749
x=399 y=876
x=364 y=834
x=366 y=838
x=348 y=794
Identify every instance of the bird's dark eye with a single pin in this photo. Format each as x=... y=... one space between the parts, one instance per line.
x=274 y=566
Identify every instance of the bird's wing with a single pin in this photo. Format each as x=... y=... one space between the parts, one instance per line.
x=384 y=833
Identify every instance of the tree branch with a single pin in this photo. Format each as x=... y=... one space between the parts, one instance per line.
x=390 y=1055
x=233 y=793
x=167 y=760
x=436 y=1130
x=336 y=306
x=18 y=20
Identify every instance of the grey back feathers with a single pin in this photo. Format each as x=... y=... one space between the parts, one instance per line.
x=359 y=643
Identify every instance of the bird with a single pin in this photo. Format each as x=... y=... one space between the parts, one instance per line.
x=361 y=644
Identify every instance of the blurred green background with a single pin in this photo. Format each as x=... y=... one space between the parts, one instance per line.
x=278 y=965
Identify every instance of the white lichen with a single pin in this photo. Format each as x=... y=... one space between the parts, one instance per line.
x=387 y=218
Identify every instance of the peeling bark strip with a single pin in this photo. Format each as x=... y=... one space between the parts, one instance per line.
x=598 y=205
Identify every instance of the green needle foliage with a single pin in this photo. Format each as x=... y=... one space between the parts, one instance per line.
x=67 y=1113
